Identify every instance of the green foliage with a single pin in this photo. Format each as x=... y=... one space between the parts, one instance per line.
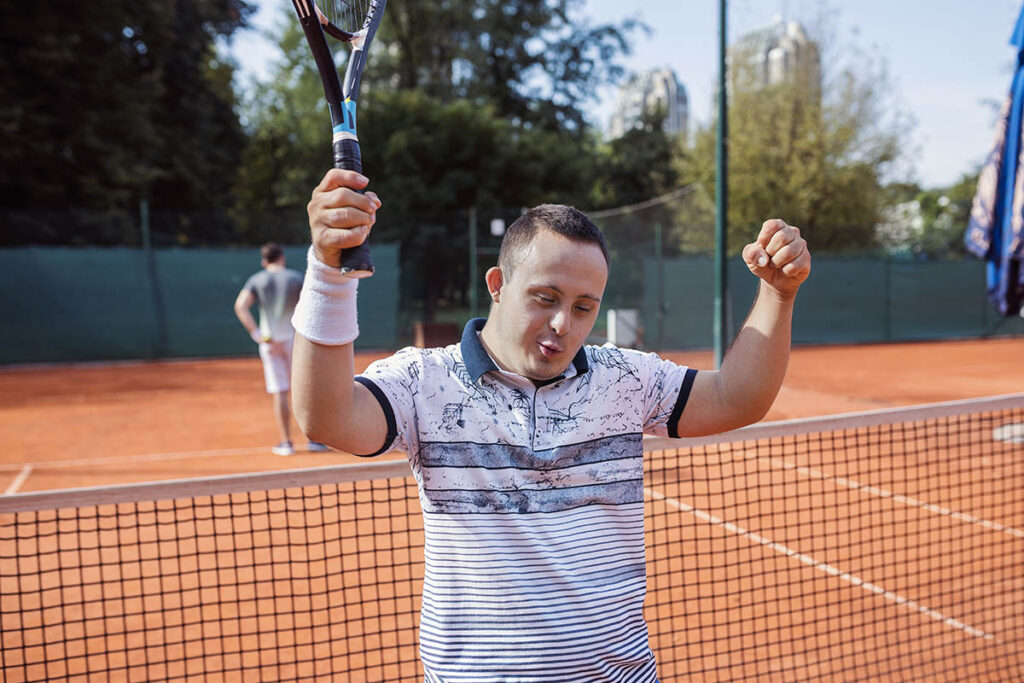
x=465 y=103
x=428 y=155
x=102 y=104
x=288 y=147
x=429 y=161
x=637 y=166
x=928 y=224
x=812 y=150
x=535 y=61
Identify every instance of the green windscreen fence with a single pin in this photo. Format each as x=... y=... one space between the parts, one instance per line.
x=846 y=300
x=82 y=304
x=78 y=304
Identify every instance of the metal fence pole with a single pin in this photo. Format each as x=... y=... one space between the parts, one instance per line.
x=721 y=198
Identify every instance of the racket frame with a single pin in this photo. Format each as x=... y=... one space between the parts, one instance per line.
x=342 y=97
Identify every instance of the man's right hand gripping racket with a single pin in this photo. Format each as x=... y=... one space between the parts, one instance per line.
x=354 y=22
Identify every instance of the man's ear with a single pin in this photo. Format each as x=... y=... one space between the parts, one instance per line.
x=494 y=279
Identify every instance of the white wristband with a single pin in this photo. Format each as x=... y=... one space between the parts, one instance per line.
x=326 y=312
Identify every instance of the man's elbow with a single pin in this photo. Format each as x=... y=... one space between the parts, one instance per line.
x=316 y=425
x=755 y=410
x=746 y=406
x=758 y=413
x=306 y=419
x=315 y=433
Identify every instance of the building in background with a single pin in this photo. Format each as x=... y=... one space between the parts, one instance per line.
x=647 y=91
x=778 y=53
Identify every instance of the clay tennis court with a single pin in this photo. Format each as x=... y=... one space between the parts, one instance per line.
x=91 y=425
x=809 y=554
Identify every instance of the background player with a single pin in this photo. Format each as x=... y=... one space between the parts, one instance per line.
x=275 y=289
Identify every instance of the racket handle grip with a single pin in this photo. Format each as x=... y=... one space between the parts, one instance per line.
x=355 y=262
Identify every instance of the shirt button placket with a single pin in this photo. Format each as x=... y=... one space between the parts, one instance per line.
x=539 y=415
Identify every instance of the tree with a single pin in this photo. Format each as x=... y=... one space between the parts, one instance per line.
x=201 y=140
x=927 y=224
x=637 y=166
x=946 y=212
x=288 y=146
x=441 y=131
x=535 y=61
x=430 y=162
x=102 y=104
x=814 y=149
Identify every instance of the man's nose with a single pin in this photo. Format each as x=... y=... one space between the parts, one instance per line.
x=561 y=322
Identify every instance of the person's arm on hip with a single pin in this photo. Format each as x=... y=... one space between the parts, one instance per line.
x=243 y=306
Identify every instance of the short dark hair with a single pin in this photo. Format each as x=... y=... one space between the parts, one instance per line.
x=271 y=252
x=559 y=218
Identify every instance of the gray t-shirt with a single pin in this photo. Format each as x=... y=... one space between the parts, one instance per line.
x=276 y=292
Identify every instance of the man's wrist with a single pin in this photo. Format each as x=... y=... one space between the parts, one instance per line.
x=320 y=258
x=780 y=297
x=326 y=312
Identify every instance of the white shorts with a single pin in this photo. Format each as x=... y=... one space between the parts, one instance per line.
x=277 y=365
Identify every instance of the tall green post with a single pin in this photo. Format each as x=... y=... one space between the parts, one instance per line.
x=659 y=260
x=721 y=197
x=160 y=344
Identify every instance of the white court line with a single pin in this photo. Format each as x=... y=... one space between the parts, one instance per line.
x=821 y=566
x=19 y=480
x=113 y=460
x=897 y=497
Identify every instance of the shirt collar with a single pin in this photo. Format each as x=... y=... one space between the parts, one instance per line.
x=478 y=361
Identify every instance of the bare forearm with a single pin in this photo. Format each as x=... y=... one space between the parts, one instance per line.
x=753 y=370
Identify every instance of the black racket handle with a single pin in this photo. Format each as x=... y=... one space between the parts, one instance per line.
x=355 y=262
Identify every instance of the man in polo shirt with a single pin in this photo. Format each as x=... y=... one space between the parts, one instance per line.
x=525 y=443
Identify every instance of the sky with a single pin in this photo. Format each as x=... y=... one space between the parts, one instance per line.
x=948 y=61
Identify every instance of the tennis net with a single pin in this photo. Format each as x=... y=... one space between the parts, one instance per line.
x=874 y=546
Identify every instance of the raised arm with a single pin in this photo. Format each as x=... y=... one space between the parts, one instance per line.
x=329 y=405
x=743 y=389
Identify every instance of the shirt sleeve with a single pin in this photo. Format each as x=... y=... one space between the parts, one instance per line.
x=250 y=284
x=667 y=391
x=394 y=382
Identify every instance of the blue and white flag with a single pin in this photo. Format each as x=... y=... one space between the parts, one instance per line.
x=995 y=231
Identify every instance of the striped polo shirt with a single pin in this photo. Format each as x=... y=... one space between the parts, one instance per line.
x=532 y=507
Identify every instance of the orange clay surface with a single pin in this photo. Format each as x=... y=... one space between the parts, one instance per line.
x=91 y=425
x=75 y=426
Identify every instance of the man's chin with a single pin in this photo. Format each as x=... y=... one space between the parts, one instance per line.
x=542 y=371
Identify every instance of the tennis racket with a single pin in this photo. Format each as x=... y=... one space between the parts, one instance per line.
x=353 y=22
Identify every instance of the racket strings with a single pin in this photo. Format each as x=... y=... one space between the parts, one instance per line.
x=348 y=15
